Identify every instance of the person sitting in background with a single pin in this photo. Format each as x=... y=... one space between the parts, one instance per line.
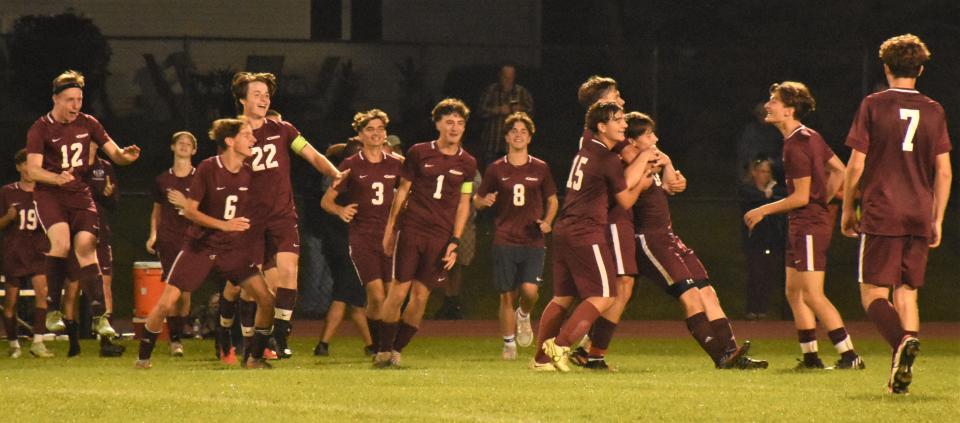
x=763 y=247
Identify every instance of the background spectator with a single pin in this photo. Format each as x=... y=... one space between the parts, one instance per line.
x=764 y=246
x=499 y=100
x=759 y=139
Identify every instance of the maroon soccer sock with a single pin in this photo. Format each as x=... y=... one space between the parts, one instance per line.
x=887 y=321
x=388 y=334
x=286 y=301
x=578 y=324
x=912 y=333
x=259 y=342
x=405 y=333
x=92 y=287
x=374 y=326
x=175 y=325
x=248 y=313
x=601 y=333
x=549 y=327
x=721 y=327
x=55 y=268
x=39 y=321
x=147 y=342
x=808 y=344
x=842 y=342
x=228 y=310
x=10 y=325
x=702 y=332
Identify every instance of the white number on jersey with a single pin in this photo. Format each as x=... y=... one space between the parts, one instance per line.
x=377 y=193
x=264 y=158
x=912 y=116
x=230 y=208
x=438 y=194
x=519 y=195
x=76 y=160
x=28 y=219
x=576 y=173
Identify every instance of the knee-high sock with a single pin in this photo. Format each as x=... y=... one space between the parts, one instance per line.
x=404 y=334
x=578 y=324
x=175 y=324
x=702 y=331
x=388 y=335
x=887 y=321
x=55 y=268
x=601 y=333
x=147 y=343
x=374 y=326
x=39 y=322
x=92 y=287
x=549 y=327
x=286 y=301
x=721 y=327
x=10 y=325
x=808 y=344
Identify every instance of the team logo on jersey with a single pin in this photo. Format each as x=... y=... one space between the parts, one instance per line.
x=221 y=188
x=83 y=135
x=363 y=176
x=56 y=139
x=273 y=137
x=456 y=172
x=505 y=179
x=531 y=179
x=98 y=173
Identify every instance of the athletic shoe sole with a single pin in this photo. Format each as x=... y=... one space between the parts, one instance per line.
x=902 y=372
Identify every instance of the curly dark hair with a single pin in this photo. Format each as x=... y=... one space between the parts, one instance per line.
x=904 y=55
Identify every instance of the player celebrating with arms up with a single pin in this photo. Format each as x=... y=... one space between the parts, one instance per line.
x=524 y=184
x=58 y=154
x=813 y=175
x=901 y=166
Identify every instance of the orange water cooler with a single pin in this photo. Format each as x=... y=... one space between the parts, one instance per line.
x=147 y=288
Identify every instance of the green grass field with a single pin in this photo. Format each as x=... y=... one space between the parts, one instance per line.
x=463 y=379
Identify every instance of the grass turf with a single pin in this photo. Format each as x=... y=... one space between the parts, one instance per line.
x=463 y=379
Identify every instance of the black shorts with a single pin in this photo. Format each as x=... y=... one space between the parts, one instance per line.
x=514 y=265
x=347 y=287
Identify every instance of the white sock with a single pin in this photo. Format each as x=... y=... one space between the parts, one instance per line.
x=37 y=338
x=521 y=314
x=510 y=340
x=14 y=344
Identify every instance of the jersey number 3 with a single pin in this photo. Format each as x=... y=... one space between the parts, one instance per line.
x=912 y=116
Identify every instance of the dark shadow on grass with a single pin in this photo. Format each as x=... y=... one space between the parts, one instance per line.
x=911 y=398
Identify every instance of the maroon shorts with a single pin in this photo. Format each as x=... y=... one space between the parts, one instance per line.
x=419 y=257
x=666 y=260
x=25 y=262
x=76 y=209
x=105 y=258
x=807 y=252
x=624 y=248
x=892 y=260
x=167 y=252
x=583 y=270
x=366 y=253
x=281 y=235
x=192 y=266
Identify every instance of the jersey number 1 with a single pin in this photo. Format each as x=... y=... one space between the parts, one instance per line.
x=912 y=116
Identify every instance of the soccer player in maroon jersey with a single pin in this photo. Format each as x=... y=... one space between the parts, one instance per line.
x=900 y=164
x=168 y=226
x=525 y=214
x=368 y=192
x=813 y=175
x=667 y=262
x=58 y=154
x=274 y=195
x=583 y=263
x=23 y=248
x=218 y=202
x=436 y=185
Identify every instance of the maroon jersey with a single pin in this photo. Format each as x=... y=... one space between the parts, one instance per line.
x=651 y=212
x=435 y=192
x=371 y=186
x=521 y=192
x=100 y=173
x=901 y=132
x=595 y=178
x=271 y=169
x=66 y=146
x=24 y=232
x=222 y=195
x=172 y=225
x=805 y=154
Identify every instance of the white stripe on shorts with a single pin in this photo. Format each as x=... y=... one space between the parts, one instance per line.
x=863 y=243
x=173 y=266
x=350 y=253
x=809 y=253
x=393 y=271
x=603 y=270
x=617 y=254
x=650 y=256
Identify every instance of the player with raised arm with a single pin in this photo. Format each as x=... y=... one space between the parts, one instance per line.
x=275 y=213
x=436 y=185
x=813 y=175
x=583 y=263
x=528 y=204
x=23 y=246
x=664 y=259
x=168 y=226
x=58 y=155
x=900 y=164
x=218 y=202
x=368 y=192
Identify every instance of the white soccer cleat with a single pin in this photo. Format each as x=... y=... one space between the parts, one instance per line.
x=395 y=358
x=509 y=352
x=176 y=349
x=54 y=321
x=524 y=330
x=39 y=350
x=542 y=367
x=560 y=355
x=15 y=352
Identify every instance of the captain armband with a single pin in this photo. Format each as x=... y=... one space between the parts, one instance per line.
x=299 y=143
x=466 y=188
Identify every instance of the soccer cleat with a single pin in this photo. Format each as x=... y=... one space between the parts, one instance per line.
x=284 y=353
x=509 y=352
x=142 y=364
x=599 y=364
x=101 y=325
x=54 y=321
x=748 y=363
x=395 y=358
x=322 y=349
x=730 y=358
x=229 y=358
x=524 y=330
x=176 y=349
x=370 y=350
x=542 y=367
x=112 y=350
x=39 y=350
x=803 y=365
x=579 y=357
x=269 y=354
x=381 y=360
x=15 y=352
x=855 y=364
x=902 y=372
x=560 y=355
x=257 y=363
